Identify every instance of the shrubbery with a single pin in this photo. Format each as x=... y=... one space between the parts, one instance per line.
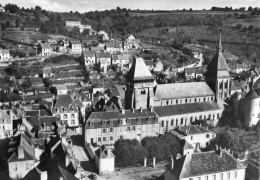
x=131 y=152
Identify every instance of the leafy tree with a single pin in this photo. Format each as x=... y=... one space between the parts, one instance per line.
x=12 y=8
x=47 y=82
x=250 y=8
x=239 y=26
x=26 y=84
x=129 y=152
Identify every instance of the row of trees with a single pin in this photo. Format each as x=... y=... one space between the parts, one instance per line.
x=131 y=152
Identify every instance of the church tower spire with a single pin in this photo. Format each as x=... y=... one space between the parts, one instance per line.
x=217 y=75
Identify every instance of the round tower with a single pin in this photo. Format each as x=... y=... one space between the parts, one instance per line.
x=250 y=108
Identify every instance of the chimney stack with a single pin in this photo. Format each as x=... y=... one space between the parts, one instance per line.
x=151 y=108
x=44 y=175
x=220 y=152
x=172 y=163
x=133 y=110
x=20 y=152
x=141 y=109
x=123 y=111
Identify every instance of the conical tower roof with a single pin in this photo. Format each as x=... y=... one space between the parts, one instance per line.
x=218 y=67
x=251 y=94
x=139 y=71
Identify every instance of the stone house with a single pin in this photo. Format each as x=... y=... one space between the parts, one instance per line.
x=88 y=58
x=4 y=55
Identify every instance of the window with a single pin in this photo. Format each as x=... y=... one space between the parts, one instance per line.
x=162 y=123
x=191 y=137
x=208 y=135
x=111 y=123
x=72 y=121
x=143 y=92
x=103 y=123
x=186 y=100
x=228 y=175
x=128 y=128
x=214 y=177
x=198 y=178
x=15 y=167
x=235 y=174
x=133 y=128
x=99 y=139
x=111 y=138
x=190 y=178
x=104 y=139
x=65 y=116
x=177 y=101
x=91 y=124
x=221 y=176
x=111 y=130
x=72 y=116
x=172 y=122
x=206 y=177
x=27 y=166
x=104 y=131
x=181 y=120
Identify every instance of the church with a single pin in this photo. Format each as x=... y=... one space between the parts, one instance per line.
x=152 y=109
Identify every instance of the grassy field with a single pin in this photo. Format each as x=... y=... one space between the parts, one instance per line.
x=23 y=35
x=245 y=22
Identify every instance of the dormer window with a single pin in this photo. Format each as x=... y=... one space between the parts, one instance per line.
x=111 y=123
x=138 y=120
x=103 y=123
x=62 y=109
x=128 y=121
x=71 y=108
x=91 y=123
x=120 y=122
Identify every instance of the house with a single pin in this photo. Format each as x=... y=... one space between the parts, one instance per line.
x=92 y=32
x=197 y=136
x=218 y=164
x=103 y=64
x=114 y=46
x=4 y=55
x=104 y=35
x=104 y=160
x=149 y=64
x=239 y=68
x=158 y=66
x=97 y=49
x=2 y=10
x=88 y=57
x=121 y=60
x=189 y=73
x=105 y=56
x=6 y=124
x=46 y=49
x=46 y=72
x=62 y=89
x=65 y=109
x=130 y=38
x=198 y=73
x=73 y=23
x=75 y=47
x=107 y=127
x=20 y=163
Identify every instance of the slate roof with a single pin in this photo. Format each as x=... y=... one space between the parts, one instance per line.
x=192 y=129
x=144 y=117
x=45 y=46
x=65 y=100
x=189 y=70
x=97 y=48
x=89 y=53
x=182 y=90
x=217 y=67
x=139 y=71
x=121 y=57
x=149 y=62
x=14 y=157
x=164 y=111
x=251 y=94
x=37 y=113
x=4 y=51
x=103 y=55
x=75 y=43
x=203 y=163
x=34 y=174
x=103 y=152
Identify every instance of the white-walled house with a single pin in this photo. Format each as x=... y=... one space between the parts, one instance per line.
x=62 y=89
x=75 y=47
x=195 y=135
x=46 y=49
x=89 y=58
x=6 y=124
x=20 y=163
x=104 y=56
x=104 y=160
x=4 y=55
x=212 y=165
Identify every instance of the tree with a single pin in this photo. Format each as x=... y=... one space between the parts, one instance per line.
x=12 y=8
x=239 y=26
x=129 y=152
x=250 y=8
x=47 y=82
x=26 y=84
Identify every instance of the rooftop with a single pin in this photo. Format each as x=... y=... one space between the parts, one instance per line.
x=164 y=111
x=182 y=90
x=191 y=130
x=203 y=163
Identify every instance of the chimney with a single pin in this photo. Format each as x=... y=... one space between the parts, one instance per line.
x=44 y=175
x=151 y=108
x=141 y=109
x=172 y=163
x=220 y=152
x=216 y=147
x=186 y=131
x=20 y=152
x=60 y=178
x=123 y=111
x=133 y=110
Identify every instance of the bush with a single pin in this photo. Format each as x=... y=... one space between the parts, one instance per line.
x=129 y=152
x=239 y=26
